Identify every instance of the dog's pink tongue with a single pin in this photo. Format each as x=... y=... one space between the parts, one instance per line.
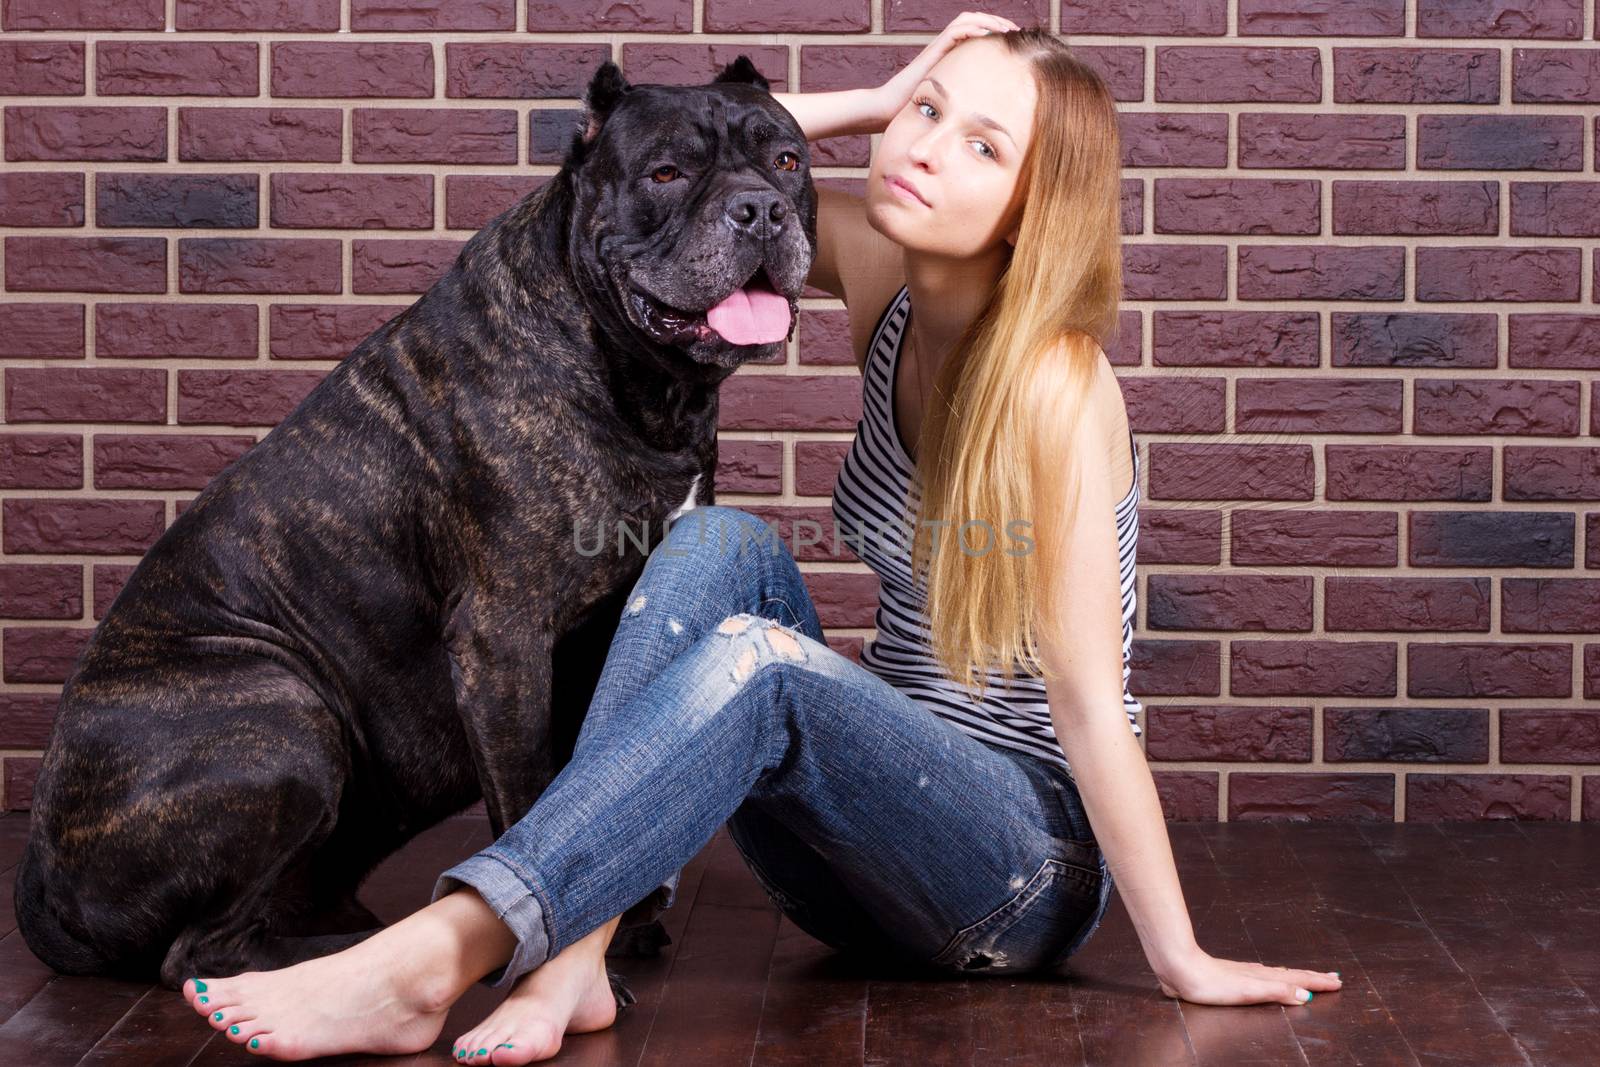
x=751 y=317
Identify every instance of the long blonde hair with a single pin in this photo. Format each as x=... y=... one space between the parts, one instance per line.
x=1056 y=299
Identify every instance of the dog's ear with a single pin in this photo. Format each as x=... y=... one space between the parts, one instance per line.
x=742 y=70
x=605 y=89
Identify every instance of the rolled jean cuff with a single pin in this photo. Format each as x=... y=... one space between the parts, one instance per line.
x=655 y=902
x=503 y=889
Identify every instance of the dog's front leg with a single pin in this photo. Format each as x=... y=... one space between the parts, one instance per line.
x=500 y=667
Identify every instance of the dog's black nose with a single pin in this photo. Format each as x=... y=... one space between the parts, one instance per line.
x=757 y=212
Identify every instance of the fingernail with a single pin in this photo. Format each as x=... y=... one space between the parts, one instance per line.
x=255 y=1042
x=1305 y=995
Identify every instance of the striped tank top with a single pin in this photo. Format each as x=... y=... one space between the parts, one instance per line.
x=869 y=497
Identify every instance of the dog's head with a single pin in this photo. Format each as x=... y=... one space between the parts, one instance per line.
x=694 y=205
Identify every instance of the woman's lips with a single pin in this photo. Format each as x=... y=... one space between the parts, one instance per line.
x=900 y=189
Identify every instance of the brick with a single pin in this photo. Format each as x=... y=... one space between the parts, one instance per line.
x=1591 y=671
x=843 y=598
x=695 y=63
x=1179 y=536
x=1555 y=76
x=85 y=394
x=262 y=16
x=823 y=335
x=1314 y=538
x=1458 y=797
x=550 y=131
x=1550 y=735
x=325 y=331
x=1329 y=18
x=1591 y=798
x=1323 y=142
x=168 y=330
x=431 y=135
x=41 y=68
x=41 y=461
x=85 y=14
x=1488 y=669
x=790 y=402
x=409 y=266
x=1414 y=339
x=1204 y=18
x=1230 y=471
x=99 y=134
x=26 y=719
x=109 y=578
x=98 y=527
x=1303 y=797
x=127 y=198
x=1550 y=473
x=1555 y=209
x=1521 y=406
x=41 y=331
x=1548 y=340
x=1459 y=272
x=1416 y=76
x=1238 y=205
x=1416 y=208
x=904 y=17
x=1332 y=272
x=1217 y=74
x=163 y=461
x=352 y=201
x=176 y=68
x=1236 y=339
x=649 y=16
x=1181 y=405
x=749 y=467
x=1275 y=602
x=472 y=201
x=769 y=16
x=388 y=16
x=20 y=773
x=1236 y=732
x=1549 y=605
x=1318 y=405
x=1500 y=142
x=1305 y=667
x=242 y=397
x=1157 y=139
x=1176 y=667
x=1405 y=735
x=258 y=265
x=816 y=466
x=827 y=67
x=86 y=264
x=41 y=654
x=1490 y=18
x=1402 y=472
x=1491 y=539
x=260 y=135
x=1188 y=796
x=357 y=69
x=520 y=71
x=41 y=198
x=1186 y=271
x=1415 y=605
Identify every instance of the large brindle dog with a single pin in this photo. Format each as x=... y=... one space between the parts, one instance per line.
x=380 y=613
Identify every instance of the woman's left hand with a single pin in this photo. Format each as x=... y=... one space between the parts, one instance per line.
x=1205 y=979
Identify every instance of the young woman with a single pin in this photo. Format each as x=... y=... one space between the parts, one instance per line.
x=888 y=810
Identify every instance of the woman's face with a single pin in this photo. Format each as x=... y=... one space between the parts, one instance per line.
x=966 y=171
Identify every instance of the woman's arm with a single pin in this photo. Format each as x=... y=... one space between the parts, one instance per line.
x=1086 y=709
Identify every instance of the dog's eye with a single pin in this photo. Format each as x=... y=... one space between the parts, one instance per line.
x=664 y=173
x=790 y=156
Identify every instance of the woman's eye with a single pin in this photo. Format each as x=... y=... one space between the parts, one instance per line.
x=664 y=173
x=795 y=161
x=989 y=151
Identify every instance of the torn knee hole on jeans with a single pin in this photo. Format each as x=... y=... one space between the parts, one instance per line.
x=778 y=638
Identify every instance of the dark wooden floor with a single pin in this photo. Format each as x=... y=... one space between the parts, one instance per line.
x=1459 y=943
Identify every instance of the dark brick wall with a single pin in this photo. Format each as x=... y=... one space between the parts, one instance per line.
x=1360 y=343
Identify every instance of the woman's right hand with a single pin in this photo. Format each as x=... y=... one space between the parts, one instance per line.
x=894 y=93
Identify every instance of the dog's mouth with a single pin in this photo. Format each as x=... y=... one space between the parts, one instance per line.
x=755 y=313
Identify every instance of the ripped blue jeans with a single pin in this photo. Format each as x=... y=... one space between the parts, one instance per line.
x=874 y=825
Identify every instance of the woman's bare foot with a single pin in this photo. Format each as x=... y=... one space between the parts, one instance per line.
x=569 y=994
x=388 y=994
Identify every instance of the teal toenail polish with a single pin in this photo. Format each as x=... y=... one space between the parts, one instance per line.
x=199 y=986
x=218 y=1016
x=205 y=1000
x=233 y=1029
x=481 y=1051
x=255 y=1042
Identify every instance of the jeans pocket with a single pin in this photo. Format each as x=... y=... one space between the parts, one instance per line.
x=1034 y=927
